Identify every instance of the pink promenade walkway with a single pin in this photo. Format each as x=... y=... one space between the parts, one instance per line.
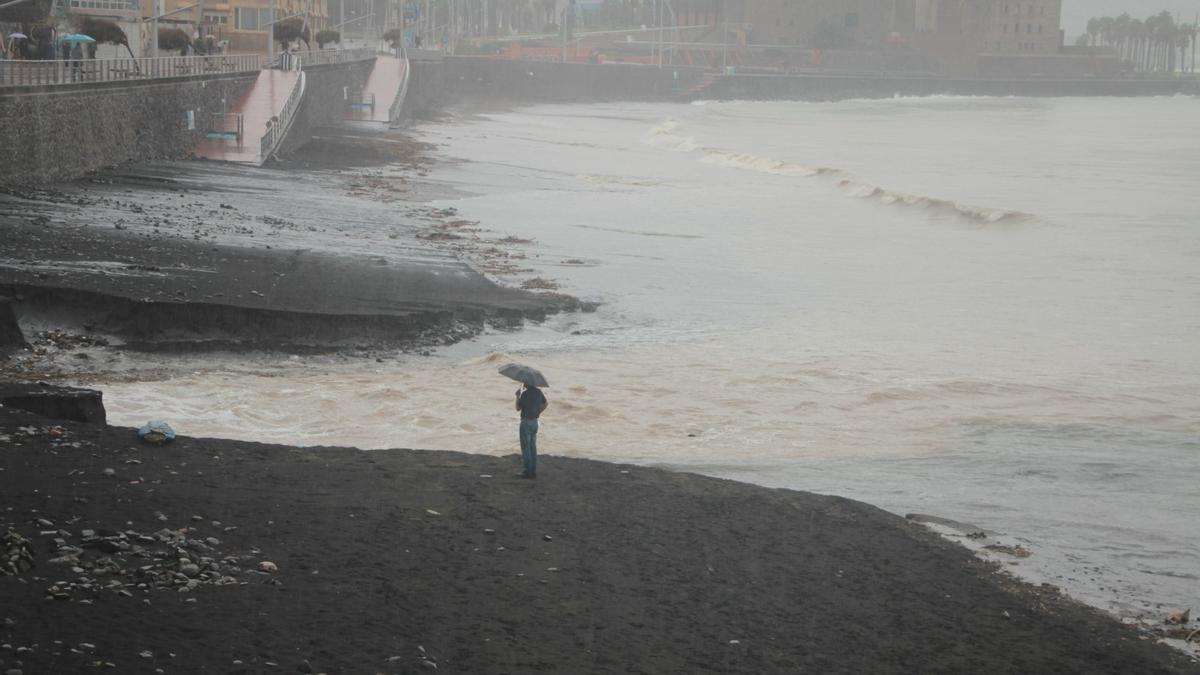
x=384 y=81
x=262 y=101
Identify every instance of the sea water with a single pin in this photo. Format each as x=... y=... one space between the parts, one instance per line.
x=982 y=309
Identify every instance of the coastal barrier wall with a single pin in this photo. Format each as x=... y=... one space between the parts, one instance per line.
x=833 y=87
x=440 y=82
x=456 y=78
x=54 y=133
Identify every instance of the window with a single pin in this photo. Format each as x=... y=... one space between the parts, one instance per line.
x=216 y=18
x=252 y=18
x=127 y=5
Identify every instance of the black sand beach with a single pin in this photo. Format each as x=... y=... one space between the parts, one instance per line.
x=148 y=559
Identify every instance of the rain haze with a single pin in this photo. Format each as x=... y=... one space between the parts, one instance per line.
x=676 y=336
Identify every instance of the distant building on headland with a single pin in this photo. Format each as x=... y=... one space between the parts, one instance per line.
x=952 y=37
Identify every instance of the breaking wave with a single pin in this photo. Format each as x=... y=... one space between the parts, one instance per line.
x=665 y=136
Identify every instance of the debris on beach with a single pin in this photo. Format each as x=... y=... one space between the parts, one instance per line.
x=121 y=562
x=1017 y=551
x=1179 y=618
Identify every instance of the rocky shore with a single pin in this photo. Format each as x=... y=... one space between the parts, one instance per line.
x=228 y=557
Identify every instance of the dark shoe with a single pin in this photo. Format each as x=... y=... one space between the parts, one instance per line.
x=525 y=475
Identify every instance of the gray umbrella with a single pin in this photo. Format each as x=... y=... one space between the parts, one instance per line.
x=524 y=374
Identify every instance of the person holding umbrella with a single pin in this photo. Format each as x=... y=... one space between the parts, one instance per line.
x=531 y=402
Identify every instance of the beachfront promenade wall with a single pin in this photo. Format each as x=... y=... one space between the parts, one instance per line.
x=833 y=87
x=438 y=82
x=58 y=132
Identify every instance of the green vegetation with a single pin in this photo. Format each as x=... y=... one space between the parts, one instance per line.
x=103 y=31
x=325 y=37
x=173 y=38
x=292 y=30
x=1149 y=45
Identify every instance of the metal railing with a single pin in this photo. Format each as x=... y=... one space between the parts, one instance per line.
x=26 y=73
x=398 y=102
x=278 y=125
x=226 y=126
x=360 y=100
x=329 y=56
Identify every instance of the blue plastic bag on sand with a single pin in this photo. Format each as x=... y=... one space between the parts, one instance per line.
x=156 y=432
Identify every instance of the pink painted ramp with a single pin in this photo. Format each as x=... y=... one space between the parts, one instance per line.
x=262 y=101
x=384 y=82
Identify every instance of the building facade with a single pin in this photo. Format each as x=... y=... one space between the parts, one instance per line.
x=947 y=35
x=237 y=26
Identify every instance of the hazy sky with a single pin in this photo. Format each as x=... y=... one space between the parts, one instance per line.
x=1077 y=12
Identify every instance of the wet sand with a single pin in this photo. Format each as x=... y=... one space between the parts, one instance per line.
x=388 y=559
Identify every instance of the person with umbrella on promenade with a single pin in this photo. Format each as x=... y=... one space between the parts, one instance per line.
x=530 y=402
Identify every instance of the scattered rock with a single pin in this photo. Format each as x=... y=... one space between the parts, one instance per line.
x=1016 y=551
x=268 y=567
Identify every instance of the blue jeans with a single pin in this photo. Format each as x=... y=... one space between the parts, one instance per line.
x=528 y=434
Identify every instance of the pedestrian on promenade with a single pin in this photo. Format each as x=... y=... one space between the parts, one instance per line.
x=531 y=402
x=76 y=62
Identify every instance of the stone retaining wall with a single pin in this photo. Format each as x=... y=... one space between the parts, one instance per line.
x=55 y=133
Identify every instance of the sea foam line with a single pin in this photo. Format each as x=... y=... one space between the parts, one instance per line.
x=665 y=136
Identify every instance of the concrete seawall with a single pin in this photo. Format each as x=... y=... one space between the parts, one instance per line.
x=54 y=133
x=831 y=87
x=436 y=83
x=324 y=102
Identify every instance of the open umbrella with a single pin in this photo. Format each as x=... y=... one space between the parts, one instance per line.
x=524 y=375
x=18 y=36
x=76 y=37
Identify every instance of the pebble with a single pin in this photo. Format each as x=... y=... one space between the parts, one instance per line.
x=432 y=512
x=547 y=537
x=13 y=671
x=146 y=654
x=429 y=665
x=488 y=530
x=110 y=472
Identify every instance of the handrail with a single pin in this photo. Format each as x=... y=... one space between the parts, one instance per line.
x=221 y=126
x=277 y=126
x=398 y=102
x=62 y=72
x=327 y=56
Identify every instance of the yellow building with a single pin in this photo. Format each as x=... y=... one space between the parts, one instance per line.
x=239 y=26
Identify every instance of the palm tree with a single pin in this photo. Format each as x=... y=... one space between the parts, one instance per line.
x=104 y=31
x=1183 y=40
x=1093 y=29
